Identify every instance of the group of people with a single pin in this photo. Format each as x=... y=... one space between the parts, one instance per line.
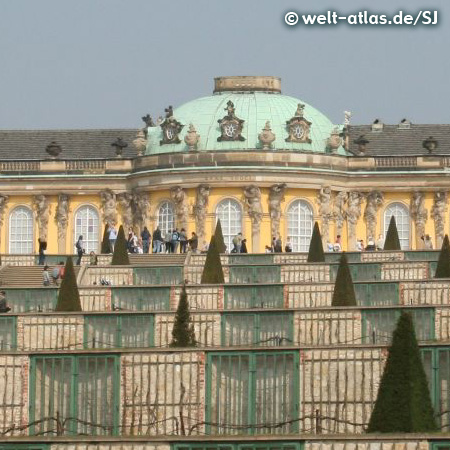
x=172 y=241
x=54 y=276
x=277 y=245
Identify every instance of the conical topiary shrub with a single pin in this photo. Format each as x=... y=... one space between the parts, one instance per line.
x=392 y=242
x=344 y=292
x=120 y=255
x=212 y=271
x=68 y=295
x=443 y=265
x=218 y=236
x=315 y=253
x=183 y=334
x=105 y=247
x=403 y=403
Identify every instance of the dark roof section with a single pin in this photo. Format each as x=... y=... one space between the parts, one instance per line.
x=394 y=141
x=76 y=144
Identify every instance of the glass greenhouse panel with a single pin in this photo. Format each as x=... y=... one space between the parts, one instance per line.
x=30 y=300
x=81 y=391
x=8 y=336
x=250 y=259
x=157 y=275
x=255 y=274
x=246 y=391
x=360 y=272
x=141 y=299
x=119 y=331
x=247 y=297
x=377 y=294
x=378 y=325
x=261 y=329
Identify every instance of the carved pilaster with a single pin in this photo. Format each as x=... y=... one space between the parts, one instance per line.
x=355 y=199
x=420 y=216
x=200 y=208
x=340 y=211
x=140 y=208
x=179 y=197
x=42 y=212
x=276 y=197
x=124 y=199
x=252 y=199
x=438 y=214
x=3 y=202
x=109 y=208
x=375 y=200
x=324 y=203
x=62 y=221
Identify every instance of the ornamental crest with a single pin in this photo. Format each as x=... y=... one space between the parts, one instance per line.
x=171 y=128
x=298 y=127
x=231 y=126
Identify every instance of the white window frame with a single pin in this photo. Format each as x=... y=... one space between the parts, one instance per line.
x=230 y=213
x=24 y=243
x=90 y=238
x=300 y=223
x=166 y=217
x=403 y=228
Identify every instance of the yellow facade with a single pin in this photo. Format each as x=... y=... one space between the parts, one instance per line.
x=217 y=194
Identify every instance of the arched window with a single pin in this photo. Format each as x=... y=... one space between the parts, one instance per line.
x=229 y=212
x=300 y=225
x=21 y=230
x=166 y=217
x=401 y=214
x=86 y=225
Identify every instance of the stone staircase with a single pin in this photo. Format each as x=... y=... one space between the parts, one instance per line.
x=24 y=276
x=157 y=259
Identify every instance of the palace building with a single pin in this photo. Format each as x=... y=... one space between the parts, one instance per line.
x=277 y=365
x=265 y=163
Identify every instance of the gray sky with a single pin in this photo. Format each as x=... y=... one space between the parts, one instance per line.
x=105 y=63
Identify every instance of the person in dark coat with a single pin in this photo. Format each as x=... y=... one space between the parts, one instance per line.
x=244 y=246
x=42 y=248
x=145 y=235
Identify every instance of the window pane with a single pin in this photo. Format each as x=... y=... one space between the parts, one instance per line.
x=300 y=225
x=87 y=225
x=166 y=218
x=401 y=214
x=21 y=230
x=229 y=212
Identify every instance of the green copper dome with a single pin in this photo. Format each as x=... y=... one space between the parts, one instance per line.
x=255 y=108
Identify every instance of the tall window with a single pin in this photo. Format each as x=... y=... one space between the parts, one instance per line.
x=300 y=225
x=401 y=214
x=21 y=230
x=86 y=225
x=229 y=212
x=166 y=217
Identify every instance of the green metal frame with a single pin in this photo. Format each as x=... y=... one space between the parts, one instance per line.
x=352 y=257
x=243 y=259
x=359 y=271
x=431 y=363
x=4 y=344
x=255 y=274
x=143 y=303
x=24 y=299
x=24 y=446
x=255 y=300
x=440 y=445
x=251 y=394
x=377 y=294
x=268 y=445
x=74 y=389
x=119 y=327
x=172 y=275
x=254 y=322
x=421 y=255
x=365 y=313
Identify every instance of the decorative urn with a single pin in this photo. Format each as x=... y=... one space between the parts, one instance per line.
x=266 y=137
x=192 y=138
